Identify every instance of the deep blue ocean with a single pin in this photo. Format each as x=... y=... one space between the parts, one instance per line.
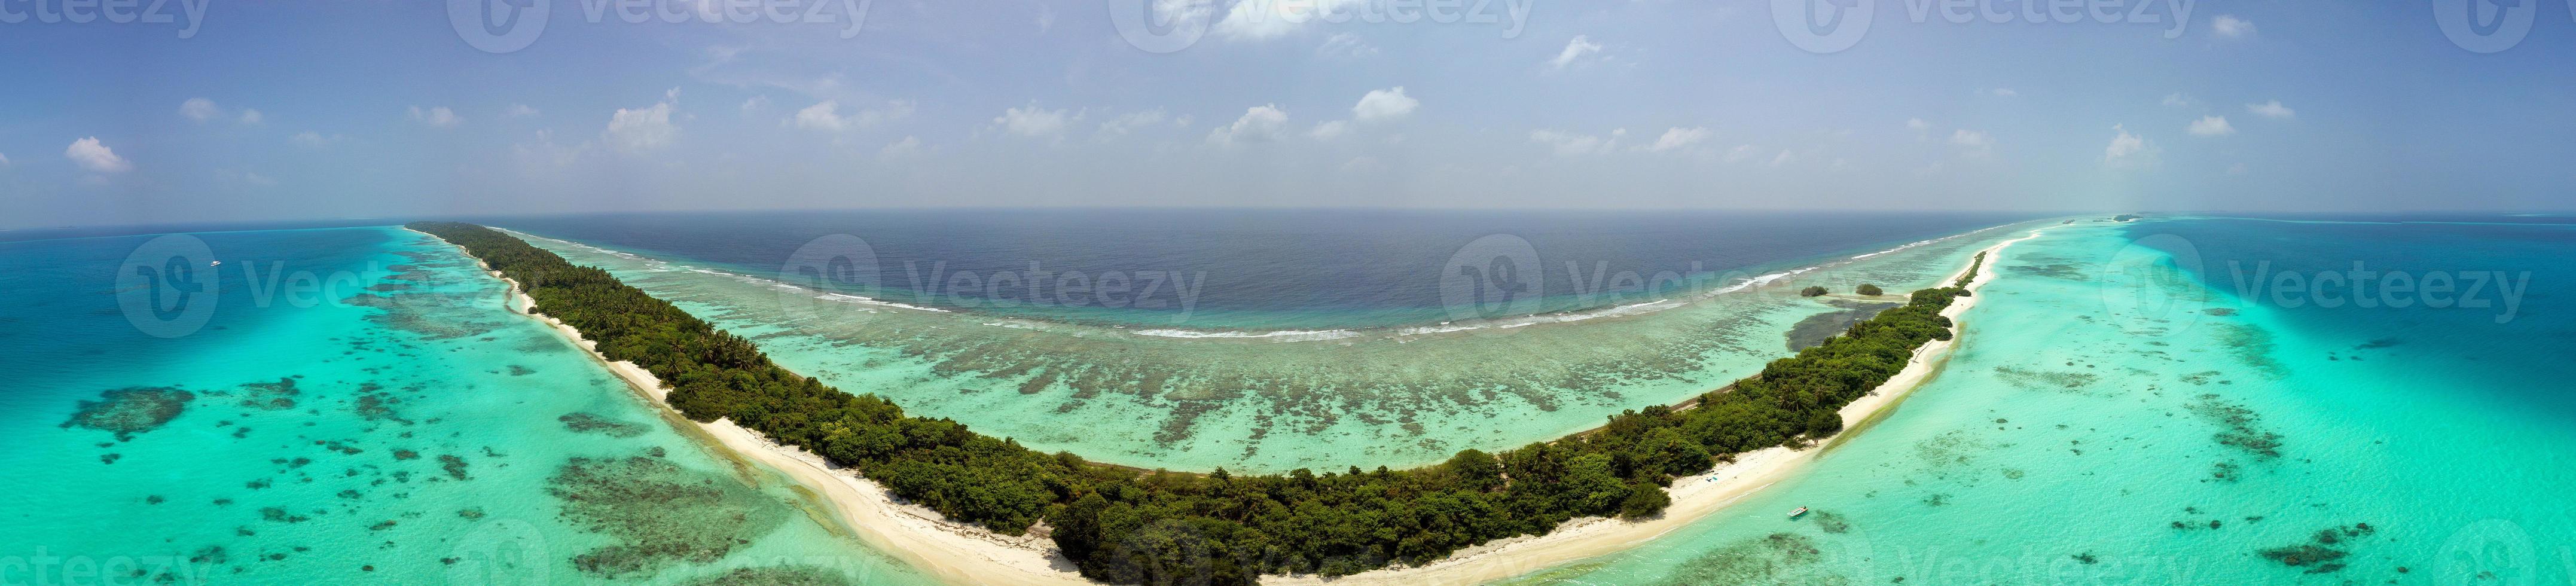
x=1264 y=268
x=2503 y=332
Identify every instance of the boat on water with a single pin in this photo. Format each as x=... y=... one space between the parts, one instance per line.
x=1796 y=513
x=215 y=263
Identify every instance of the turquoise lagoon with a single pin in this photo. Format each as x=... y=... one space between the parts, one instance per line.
x=1398 y=395
x=2126 y=410
x=393 y=426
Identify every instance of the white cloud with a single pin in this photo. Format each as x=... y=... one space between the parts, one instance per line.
x=200 y=109
x=1130 y=122
x=1574 y=51
x=1261 y=20
x=826 y=116
x=2129 y=150
x=2236 y=169
x=822 y=116
x=312 y=139
x=91 y=155
x=2003 y=92
x=2229 y=26
x=1346 y=46
x=1572 y=145
x=1386 y=105
x=438 y=116
x=910 y=145
x=1973 y=142
x=546 y=154
x=755 y=104
x=641 y=129
x=1740 y=153
x=1783 y=158
x=1329 y=130
x=1258 y=124
x=1917 y=125
x=1033 y=121
x=2211 y=126
x=1677 y=138
x=237 y=179
x=251 y=117
x=2177 y=100
x=519 y=111
x=2271 y=109
x=4 y=160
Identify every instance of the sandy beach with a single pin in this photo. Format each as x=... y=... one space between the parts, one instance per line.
x=967 y=554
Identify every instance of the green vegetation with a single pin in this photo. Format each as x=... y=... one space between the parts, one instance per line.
x=1869 y=289
x=1122 y=526
x=1971 y=275
x=1813 y=291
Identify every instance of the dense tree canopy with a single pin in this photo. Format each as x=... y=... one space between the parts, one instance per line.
x=1122 y=526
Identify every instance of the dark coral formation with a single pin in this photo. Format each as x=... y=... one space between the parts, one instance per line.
x=276 y=396
x=2239 y=427
x=656 y=513
x=454 y=466
x=132 y=410
x=775 y=576
x=2320 y=556
x=1779 y=558
x=2043 y=379
x=588 y=423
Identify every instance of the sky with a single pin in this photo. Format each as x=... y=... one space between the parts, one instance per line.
x=293 y=110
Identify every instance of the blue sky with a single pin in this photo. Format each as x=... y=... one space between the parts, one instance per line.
x=313 y=110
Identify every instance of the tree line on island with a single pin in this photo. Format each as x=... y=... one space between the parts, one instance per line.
x=1122 y=526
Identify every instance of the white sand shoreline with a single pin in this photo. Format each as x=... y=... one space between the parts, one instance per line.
x=967 y=554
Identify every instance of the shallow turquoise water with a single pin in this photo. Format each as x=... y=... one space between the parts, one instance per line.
x=421 y=439
x=2112 y=419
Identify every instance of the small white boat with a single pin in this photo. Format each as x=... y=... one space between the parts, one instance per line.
x=216 y=263
x=1796 y=513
